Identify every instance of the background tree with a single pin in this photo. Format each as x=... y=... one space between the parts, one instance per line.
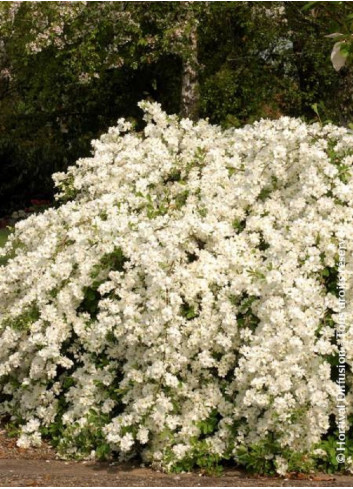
x=337 y=17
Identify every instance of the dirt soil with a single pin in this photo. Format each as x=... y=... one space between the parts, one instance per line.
x=39 y=467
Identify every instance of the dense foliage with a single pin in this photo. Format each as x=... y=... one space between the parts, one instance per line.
x=69 y=70
x=181 y=301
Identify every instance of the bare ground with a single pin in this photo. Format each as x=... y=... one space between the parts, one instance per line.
x=40 y=468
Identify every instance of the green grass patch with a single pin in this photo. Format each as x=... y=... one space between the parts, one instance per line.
x=4 y=234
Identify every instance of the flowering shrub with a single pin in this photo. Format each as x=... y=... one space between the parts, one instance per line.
x=181 y=302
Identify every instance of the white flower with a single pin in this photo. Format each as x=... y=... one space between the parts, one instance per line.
x=126 y=442
x=142 y=435
x=281 y=465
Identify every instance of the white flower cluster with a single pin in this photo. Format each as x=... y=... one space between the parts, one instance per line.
x=183 y=297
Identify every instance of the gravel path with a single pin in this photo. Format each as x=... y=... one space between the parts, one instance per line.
x=55 y=473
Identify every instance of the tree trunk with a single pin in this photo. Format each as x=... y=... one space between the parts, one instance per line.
x=189 y=104
x=345 y=96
